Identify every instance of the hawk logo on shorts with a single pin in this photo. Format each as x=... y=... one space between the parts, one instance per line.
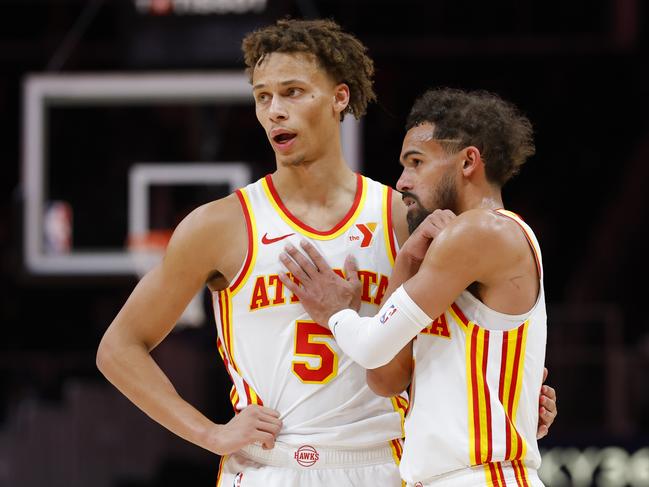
x=419 y=484
x=388 y=313
x=237 y=480
x=306 y=456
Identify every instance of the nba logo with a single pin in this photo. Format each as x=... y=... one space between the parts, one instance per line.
x=57 y=223
x=389 y=312
x=237 y=480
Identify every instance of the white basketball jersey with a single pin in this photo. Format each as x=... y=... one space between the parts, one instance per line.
x=475 y=396
x=276 y=355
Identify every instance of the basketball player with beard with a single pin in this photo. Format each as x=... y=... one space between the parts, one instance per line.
x=465 y=321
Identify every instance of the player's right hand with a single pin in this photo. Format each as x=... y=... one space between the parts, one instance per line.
x=322 y=292
x=254 y=424
x=416 y=246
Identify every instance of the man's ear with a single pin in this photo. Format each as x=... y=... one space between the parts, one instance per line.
x=341 y=98
x=472 y=161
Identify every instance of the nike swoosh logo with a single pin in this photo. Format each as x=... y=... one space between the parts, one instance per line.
x=265 y=240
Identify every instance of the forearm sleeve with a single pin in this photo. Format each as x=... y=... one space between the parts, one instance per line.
x=373 y=341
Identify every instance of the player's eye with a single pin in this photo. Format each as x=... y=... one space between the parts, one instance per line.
x=262 y=97
x=294 y=91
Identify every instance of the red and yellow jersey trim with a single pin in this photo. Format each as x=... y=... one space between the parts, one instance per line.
x=496 y=477
x=299 y=226
x=251 y=255
x=511 y=379
x=225 y=317
x=388 y=226
x=459 y=316
x=518 y=219
x=226 y=348
x=479 y=395
x=234 y=395
x=400 y=405
x=396 y=446
x=219 y=475
x=520 y=471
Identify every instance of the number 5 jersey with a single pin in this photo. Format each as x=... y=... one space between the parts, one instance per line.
x=276 y=355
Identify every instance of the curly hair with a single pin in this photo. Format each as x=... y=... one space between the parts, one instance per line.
x=340 y=54
x=496 y=127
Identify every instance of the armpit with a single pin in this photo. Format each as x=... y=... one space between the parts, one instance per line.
x=216 y=281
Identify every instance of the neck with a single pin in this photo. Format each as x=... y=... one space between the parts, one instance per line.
x=489 y=198
x=317 y=181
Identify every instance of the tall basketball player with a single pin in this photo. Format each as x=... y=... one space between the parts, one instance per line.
x=466 y=323
x=305 y=415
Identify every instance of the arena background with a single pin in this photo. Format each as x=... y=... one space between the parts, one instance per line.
x=579 y=69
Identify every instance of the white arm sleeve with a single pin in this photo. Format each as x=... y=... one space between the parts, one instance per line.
x=373 y=342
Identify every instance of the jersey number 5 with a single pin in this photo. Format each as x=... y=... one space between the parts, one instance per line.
x=306 y=345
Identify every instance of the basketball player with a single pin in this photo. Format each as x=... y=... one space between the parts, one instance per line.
x=466 y=323
x=305 y=415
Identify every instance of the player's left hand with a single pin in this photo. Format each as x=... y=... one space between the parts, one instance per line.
x=547 y=408
x=321 y=291
x=416 y=246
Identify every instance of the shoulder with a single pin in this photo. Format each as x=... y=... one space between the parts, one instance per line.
x=398 y=211
x=212 y=218
x=481 y=225
x=482 y=238
x=206 y=237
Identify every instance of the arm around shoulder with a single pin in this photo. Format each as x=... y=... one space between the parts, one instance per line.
x=468 y=250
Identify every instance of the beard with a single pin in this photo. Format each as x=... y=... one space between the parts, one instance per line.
x=442 y=197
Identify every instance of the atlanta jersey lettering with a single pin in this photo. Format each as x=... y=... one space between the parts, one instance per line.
x=476 y=389
x=275 y=354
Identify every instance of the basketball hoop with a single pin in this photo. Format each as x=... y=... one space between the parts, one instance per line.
x=147 y=250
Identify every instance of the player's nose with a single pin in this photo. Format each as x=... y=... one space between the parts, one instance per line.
x=404 y=183
x=277 y=111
